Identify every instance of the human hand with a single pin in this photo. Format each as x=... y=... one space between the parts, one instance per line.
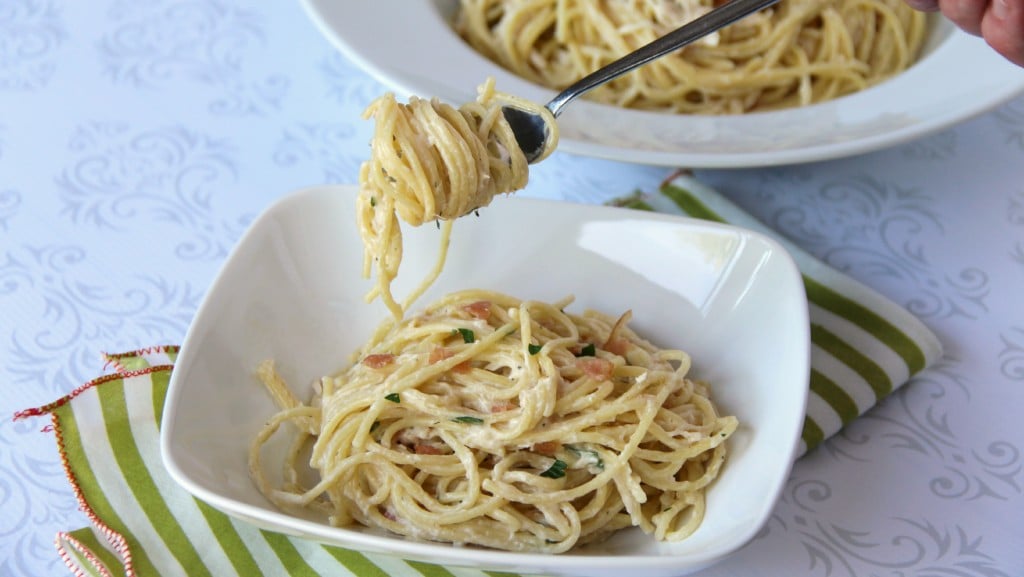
x=999 y=22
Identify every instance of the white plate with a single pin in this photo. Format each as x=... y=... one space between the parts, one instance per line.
x=409 y=46
x=292 y=291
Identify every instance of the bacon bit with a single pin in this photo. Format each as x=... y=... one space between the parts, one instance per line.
x=614 y=340
x=596 y=367
x=441 y=353
x=549 y=325
x=479 y=309
x=617 y=345
x=548 y=448
x=378 y=360
x=425 y=449
x=389 y=515
x=502 y=406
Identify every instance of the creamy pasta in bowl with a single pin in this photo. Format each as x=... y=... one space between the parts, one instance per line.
x=847 y=112
x=730 y=298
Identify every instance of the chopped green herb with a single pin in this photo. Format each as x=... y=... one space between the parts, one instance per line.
x=467 y=335
x=468 y=419
x=373 y=201
x=534 y=349
x=556 y=470
x=588 y=351
x=393 y=397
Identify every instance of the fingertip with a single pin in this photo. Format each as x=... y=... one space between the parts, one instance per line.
x=924 y=5
x=966 y=14
x=1002 y=27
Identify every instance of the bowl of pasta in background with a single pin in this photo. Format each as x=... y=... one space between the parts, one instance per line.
x=956 y=77
x=292 y=291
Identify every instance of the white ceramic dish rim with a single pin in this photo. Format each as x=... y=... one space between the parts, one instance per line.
x=431 y=61
x=565 y=563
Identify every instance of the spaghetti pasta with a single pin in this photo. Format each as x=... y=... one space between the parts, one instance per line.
x=793 y=54
x=431 y=161
x=487 y=420
x=509 y=424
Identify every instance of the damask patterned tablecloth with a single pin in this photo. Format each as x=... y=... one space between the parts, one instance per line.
x=138 y=139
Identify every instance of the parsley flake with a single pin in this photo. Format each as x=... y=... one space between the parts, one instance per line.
x=534 y=349
x=468 y=420
x=588 y=351
x=467 y=335
x=393 y=397
x=556 y=470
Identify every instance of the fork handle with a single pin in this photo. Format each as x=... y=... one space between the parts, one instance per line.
x=687 y=33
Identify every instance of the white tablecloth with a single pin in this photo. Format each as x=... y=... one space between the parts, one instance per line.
x=139 y=138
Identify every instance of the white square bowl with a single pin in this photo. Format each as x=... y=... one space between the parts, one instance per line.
x=292 y=291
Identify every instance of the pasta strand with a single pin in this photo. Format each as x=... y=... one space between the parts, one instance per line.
x=795 y=53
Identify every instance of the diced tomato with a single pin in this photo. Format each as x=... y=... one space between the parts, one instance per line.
x=378 y=360
x=596 y=367
x=548 y=448
x=479 y=309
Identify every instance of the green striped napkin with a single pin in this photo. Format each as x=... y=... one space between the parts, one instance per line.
x=863 y=346
x=144 y=524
